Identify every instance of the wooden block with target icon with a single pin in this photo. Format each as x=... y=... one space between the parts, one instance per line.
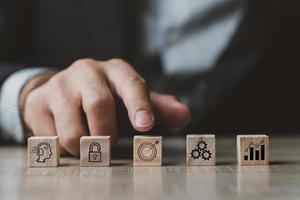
x=200 y=149
x=43 y=151
x=147 y=151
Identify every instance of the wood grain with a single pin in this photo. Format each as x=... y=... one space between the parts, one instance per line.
x=176 y=181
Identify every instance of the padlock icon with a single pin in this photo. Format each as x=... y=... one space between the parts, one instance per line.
x=95 y=152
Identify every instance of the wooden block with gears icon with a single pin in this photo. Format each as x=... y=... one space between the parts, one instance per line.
x=147 y=151
x=43 y=151
x=200 y=149
x=95 y=151
x=253 y=149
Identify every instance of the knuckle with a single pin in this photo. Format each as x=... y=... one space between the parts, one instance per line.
x=35 y=101
x=61 y=100
x=61 y=94
x=141 y=103
x=65 y=100
x=118 y=61
x=95 y=84
x=95 y=102
x=135 y=81
x=83 y=62
x=57 y=81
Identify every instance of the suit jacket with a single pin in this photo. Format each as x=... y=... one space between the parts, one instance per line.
x=55 y=33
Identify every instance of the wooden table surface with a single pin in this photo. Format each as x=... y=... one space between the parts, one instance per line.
x=226 y=180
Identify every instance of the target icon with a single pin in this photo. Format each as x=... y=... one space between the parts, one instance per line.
x=147 y=151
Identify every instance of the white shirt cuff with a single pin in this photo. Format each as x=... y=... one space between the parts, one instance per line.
x=10 y=117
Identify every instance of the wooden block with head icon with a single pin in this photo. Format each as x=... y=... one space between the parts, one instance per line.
x=253 y=149
x=95 y=151
x=200 y=149
x=147 y=151
x=43 y=151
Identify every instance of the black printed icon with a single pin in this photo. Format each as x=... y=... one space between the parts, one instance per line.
x=43 y=152
x=201 y=151
x=255 y=151
x=147 y=151
x=95 y=152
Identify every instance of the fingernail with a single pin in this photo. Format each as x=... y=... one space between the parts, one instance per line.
x=143 y=118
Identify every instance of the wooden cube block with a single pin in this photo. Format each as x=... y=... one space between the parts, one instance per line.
x=253 y=149
x=200 y=149
x=147 y=151
x=43 y=151
x=94 y=151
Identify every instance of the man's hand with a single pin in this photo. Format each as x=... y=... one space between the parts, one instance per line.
x=80 y=100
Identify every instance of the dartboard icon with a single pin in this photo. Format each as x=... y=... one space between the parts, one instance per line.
x=147 y=151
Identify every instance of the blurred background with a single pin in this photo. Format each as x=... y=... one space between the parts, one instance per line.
x=235 y=63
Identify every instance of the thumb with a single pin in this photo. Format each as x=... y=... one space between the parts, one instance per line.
x=171 y=112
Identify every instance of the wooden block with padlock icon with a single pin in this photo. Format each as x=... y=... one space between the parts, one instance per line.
x=94 y=151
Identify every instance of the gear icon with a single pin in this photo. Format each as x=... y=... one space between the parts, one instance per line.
x=202 y=145
x=196 y=154
x=206 y=155
x=201 y=151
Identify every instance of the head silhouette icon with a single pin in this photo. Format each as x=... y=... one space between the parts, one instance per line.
x=43 y=152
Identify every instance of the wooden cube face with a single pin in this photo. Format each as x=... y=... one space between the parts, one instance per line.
x=200 y=150
x=43 y=151
x=147 y=151
x=94 y=151
x=253 y=149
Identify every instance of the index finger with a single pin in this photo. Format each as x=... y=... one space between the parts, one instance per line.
x=133 y=91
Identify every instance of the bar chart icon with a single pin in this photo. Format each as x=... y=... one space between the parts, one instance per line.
x=255 y=151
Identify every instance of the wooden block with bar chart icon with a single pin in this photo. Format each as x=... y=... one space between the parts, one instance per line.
x=94 y=151
x=253 y=149
x=200 y=150
x=43 y=151
x=147 y=151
